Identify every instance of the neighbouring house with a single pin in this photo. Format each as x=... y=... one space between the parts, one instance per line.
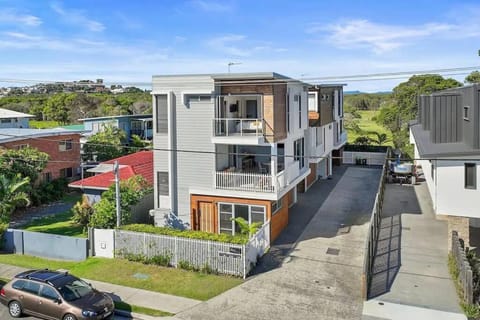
x=139 y=163
x=138 y=124
x=62 y=145
x=14 y=119
x=227 y=146
x=326 y=135
x=447 y=146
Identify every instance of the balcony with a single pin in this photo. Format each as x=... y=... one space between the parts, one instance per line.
x=256 y=181
x=342 y=139
x=228 y=127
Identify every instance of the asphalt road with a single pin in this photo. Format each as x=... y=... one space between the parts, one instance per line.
x=5 y=316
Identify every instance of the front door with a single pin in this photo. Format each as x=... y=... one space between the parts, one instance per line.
x=206 y=217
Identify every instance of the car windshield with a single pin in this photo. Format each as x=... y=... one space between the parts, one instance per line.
x=75 y=290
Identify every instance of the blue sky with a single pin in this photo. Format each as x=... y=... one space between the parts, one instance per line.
x=129 y=41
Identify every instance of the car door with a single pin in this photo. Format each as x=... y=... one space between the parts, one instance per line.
x=29 y=296
x=49 y=303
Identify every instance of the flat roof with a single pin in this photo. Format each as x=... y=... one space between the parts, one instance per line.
x=427 y=148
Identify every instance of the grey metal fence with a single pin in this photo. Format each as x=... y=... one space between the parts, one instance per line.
x=372 y=236
x=465 y=274
x=46 y=245
x=225 y=258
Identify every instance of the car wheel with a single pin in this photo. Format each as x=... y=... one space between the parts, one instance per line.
x=15 y=309
x=69 y=317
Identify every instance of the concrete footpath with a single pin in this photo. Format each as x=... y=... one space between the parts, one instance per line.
x=133 y=296
x=411 y=278
x=321 y=276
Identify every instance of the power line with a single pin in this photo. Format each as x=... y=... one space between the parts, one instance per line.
x=227 y=82
x=221 y=153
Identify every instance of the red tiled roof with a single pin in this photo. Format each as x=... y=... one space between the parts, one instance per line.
x=139 y=163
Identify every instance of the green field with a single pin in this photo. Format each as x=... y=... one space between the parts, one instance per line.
x=368 y=126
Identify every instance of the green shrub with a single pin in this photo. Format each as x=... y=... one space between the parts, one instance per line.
x=160 y=260
x=3 y=228
x=49 y=191
x=163 y=260
x=192 y=234
x=185 y=265
x=207 y=269
x=82 y=211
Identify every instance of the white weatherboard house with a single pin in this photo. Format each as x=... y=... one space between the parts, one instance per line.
x=233 y=145
x=446 y=138
x=14 y=119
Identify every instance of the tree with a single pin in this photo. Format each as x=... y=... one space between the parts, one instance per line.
x=28 y=162
x=473 y=77
x=131 y=192
x=246 y=228
x=362 y=140
x=406 y=93
x=105 y=145
x=12 y=194
x=56 y=107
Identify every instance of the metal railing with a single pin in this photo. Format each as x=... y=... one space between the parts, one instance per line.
x=241 y=181
x=372 y=237
x=225 y=127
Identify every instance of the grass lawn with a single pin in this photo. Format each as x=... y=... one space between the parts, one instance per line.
x=60 y=224
x=367 y=124
x=166 y=280
x=39 y=124
x=120 y=305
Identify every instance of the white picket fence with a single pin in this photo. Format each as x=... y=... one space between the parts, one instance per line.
x=224 y=258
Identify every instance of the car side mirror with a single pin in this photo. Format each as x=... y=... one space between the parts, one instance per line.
x=58 y=300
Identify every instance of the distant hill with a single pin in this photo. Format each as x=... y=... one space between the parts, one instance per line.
x=360 y=92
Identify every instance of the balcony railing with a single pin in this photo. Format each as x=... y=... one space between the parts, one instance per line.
x=342 y=138
x=224 y=127
x=241 y=181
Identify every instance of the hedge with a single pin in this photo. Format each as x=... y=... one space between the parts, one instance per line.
x=191 y=234
x=365 y=148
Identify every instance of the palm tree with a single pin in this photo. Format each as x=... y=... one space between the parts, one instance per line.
x=381 y=138
x=12 y=194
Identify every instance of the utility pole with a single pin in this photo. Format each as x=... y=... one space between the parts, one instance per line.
x=117 y=192
x=232 y=64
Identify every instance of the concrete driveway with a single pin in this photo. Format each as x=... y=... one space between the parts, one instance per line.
x=320 y=277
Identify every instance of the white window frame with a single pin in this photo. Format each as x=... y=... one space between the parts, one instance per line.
x=232 y=205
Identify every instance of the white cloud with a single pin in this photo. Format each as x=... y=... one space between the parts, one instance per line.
x=211 y=6
x=77 y=17
x=378 y=37
x=10 y=16
x=239 y=45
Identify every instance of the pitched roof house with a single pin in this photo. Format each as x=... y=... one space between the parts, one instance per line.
x=139 y=163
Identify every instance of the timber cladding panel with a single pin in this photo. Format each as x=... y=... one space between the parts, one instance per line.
x=274 y=105
x=279 y=220
x=208 y=205
x=312 y=177
x=280 y=115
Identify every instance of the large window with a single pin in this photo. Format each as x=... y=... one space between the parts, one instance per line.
x=66 y=172
x=299 y=152
x=299 y=111
x=470 y=176
x=65 y=145
x=162 y=183
x=162 y=113
x=227 y=212
x=288 y=113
